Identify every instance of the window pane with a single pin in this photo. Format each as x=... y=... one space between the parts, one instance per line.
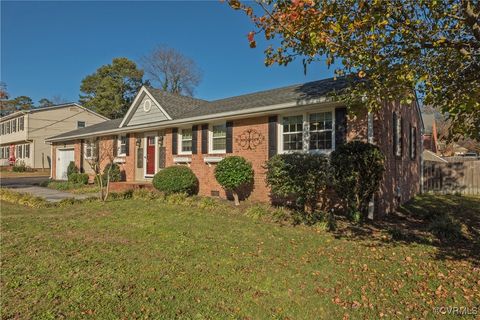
x=219 y=144
x=292 y=124
x=187 y=145
x=321 y=140
x=219 y=131
x=187 y=134
x=293 y=141
x=187 y=140
x=321 y=121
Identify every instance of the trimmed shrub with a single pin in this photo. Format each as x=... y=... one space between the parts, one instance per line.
x=78 y=178
x=300 y=176
x=357 y=171
x=115 y=173
x=176 y=179
x=234 y=173
x=71 y=169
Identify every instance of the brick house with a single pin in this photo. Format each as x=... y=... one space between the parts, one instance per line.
x=161 y=130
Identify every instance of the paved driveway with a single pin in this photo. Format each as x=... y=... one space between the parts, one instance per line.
x=22 y=181
x=30 y=185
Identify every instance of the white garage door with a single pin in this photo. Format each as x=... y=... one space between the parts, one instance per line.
x=64 y=157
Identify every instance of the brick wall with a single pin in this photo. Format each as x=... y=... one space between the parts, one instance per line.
x=400 y=172
x=401 y=180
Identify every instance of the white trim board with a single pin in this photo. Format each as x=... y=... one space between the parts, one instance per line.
x=135 y=103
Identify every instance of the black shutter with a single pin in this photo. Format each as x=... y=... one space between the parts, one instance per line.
x=127 y=145
x=229 y=147
x=394 y=126
x=115 y=146
x=272 y=136
x=204 y=138
x=340 y=126
x=174 y=140
x=194 y=139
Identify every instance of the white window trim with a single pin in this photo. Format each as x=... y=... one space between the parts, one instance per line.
x=180 y=141
x=306 y=132
x=119 y=145
x=88 y=144
x=210 y=138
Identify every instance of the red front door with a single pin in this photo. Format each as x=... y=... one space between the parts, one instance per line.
x=150 y=155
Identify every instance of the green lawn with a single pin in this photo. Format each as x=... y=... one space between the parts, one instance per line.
x=147 y=259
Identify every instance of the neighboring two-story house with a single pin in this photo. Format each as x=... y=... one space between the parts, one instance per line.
x=23 y=133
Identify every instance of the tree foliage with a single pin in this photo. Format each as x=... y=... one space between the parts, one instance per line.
x=111 y=89
x=44 y=102
x=22 y=103
x=300 y=175
x=398 y=46
x=172 y=71
x=233 y=173
x=357 y=169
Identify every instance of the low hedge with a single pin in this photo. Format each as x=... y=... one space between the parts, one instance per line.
x=176 y=179
x=78 y=178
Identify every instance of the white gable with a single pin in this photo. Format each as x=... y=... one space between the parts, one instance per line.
x=144 y=109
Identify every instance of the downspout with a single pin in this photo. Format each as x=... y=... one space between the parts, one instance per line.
x=51 y=160
x=371 y=204
x=421 y=160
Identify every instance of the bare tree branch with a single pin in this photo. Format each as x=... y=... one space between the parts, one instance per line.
x=172 y=71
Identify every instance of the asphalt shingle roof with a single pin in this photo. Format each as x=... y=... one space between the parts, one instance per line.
x=181 y=107
x=294 y=93
x=175 y=105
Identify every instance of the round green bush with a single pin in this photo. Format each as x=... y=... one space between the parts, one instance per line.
x=176 y=179
x=233 y=173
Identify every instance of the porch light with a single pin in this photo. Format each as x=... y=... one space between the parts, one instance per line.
x=138 y=142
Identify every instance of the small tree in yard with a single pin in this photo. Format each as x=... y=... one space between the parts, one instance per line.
x=233 y=173
x=99 y=156
x=357 y=171
x=299 y=175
